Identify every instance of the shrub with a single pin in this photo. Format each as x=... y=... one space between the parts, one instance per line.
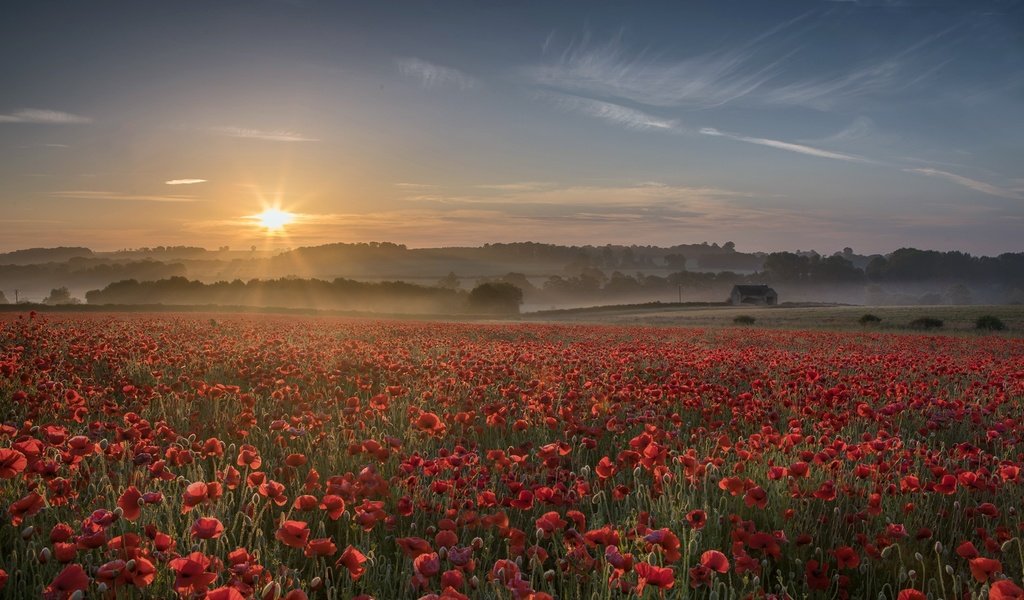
x=926 y=323
x=869 y=319
x=744 y=320
x=989 y=323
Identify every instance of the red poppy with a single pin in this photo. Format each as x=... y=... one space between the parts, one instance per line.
x=352 y=560
x=427 y=564
x=70 y=580
x=333 y=505
x=12 y=462
x=207 y=528
x=983 y=568
x=660 y=577
x=320 y=547
x=715 y=560
x=429 y=422
x=293 y=533
x=190 y=573
x=1005 y=589
x=697 y=519
x=909 y=594
x=224 y=593
x=130 y=503
x=817 y=575
x=25 y=507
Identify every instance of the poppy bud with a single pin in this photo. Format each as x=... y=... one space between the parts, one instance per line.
x=119 y=512
x=938 y=547
x=474 y=582
x=911 y=574
x=316 y=584
x=442 y=553
x=130 y=565
x=477 y=543
x=78 y=595
x=27 y=532
x=949 y=570
x=44 y=555
x=271 y=591
x=549 y=575
x=101 y=588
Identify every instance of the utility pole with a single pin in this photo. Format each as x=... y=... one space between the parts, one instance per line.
x=15 y=296
x=680 y=293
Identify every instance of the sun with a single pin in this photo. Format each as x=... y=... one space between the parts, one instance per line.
x=274 y=219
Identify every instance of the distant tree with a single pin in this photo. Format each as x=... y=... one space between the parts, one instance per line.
x=675 y=261
x=449 y=281
x=787 y=266
x=729 y=246
x=60 y=295
x=496 y=298
x=989 y=323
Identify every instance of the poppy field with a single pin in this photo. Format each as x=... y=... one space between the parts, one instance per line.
x=162 y=456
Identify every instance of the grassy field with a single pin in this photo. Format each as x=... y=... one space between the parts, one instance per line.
x=957 y=319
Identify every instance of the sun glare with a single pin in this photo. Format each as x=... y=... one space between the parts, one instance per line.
x=274 y=219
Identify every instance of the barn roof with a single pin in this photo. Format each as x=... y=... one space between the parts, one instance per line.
x=753 y=290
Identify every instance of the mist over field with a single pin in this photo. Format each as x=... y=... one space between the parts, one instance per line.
x=391 y=278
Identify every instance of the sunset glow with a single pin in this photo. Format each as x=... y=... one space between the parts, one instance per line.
x=274 y=219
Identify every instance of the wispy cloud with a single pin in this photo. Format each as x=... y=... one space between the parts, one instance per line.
x=760 y=72
x=44 y=117
x=614 y=113
x=431 y=74
x=120 y=196
x=788 y=146
x=184 y=181
x=271 y=135
x=967 y=182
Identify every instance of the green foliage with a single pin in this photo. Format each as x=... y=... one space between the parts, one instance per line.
x=925 y=323
x=744 y=320
x=989 y=323
x=869 y=319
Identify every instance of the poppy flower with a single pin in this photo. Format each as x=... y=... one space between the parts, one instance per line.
x=333 y=505
x=429 y=422
x=846 y=557
x=129 y=503
x=190 y=573
x=352 y=560
x=1005 y=589
x=207 y=528
x=224 y=593
x=983 y=568
x=320 y=547
x=12 y=462
x=70 y=580
x=817 y=575
x=910 y=594
x=427 y=564
x=25 y=507
x=293 y=533
x=660 y=577
x=715 y=560
x=413 y=546
x=696 y=519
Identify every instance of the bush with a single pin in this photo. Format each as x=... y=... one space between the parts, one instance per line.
x=496 y=298
x=989 y=323
x=926 y=323
x=744 y=320
x=869 y=319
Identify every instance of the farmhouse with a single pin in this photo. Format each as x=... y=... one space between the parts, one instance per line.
x=753 y=294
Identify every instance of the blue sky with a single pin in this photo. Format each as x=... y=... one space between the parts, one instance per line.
x=778 y=125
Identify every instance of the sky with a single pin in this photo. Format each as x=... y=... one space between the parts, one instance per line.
x=779 y=125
